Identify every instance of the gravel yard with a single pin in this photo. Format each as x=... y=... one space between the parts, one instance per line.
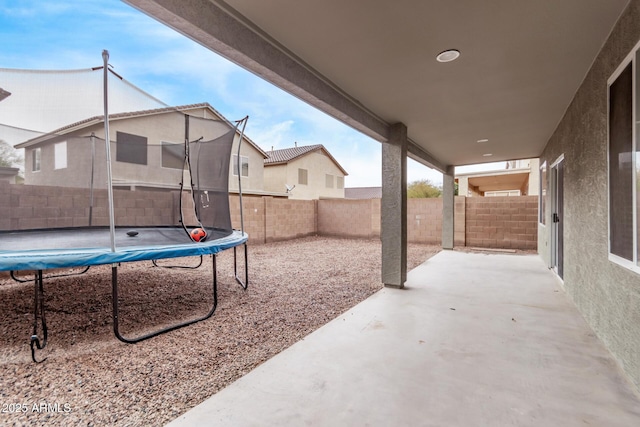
x=91 y=378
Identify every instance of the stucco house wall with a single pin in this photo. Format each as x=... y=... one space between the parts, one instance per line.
x=157 y=128
x=607 y=294
x=275 y=178
x=318 y=166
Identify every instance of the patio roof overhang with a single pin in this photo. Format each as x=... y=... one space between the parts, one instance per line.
x=373 y=63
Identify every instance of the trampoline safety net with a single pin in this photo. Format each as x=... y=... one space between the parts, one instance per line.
x=169 y=170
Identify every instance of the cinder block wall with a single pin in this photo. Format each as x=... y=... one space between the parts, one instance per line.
x=31 y=206
x=254 y=216
x=347 y=218
x=508 y=222
x=424 y=221
x=289 y=219
x=502 y=222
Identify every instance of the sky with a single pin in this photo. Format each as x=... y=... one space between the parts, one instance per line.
x=71 y=34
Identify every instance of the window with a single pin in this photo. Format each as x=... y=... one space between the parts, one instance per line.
x=624 y=159
x=328 y=181
x=131 y=148
x=35 y=159
x=60 y=155
x=244 y=165
x=542 y=193
x=172 y=155
x=302 y=176
x=340 y=182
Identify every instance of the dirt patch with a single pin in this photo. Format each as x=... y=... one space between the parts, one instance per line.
x=91 y=378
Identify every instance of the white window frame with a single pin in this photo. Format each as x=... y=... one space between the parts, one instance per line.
x=633 y=57
x=36 y=159
x=60 y=155
x=340 y=182
x=243 y=160
x=542 y=194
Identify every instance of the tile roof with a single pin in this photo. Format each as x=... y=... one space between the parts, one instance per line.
x=285 y=155
x=363 y=193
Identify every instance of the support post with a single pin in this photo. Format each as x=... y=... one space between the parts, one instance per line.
x=448 y=208
x=394 y=207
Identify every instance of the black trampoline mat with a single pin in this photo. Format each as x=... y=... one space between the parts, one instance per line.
x=97 y=237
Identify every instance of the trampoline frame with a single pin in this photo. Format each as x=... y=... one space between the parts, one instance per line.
x=40 y=260
x=38 y=342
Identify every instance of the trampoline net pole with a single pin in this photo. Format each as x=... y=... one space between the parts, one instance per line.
x=105 y=57
x=93 y=161
x=244 y=124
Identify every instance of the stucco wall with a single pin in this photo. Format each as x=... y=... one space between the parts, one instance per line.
x=275 y=178
x=255 y=180
x=168 y=127
x=317 y=165
x=607 y=294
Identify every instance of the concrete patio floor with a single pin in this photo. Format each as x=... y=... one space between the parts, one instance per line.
x=474 y=340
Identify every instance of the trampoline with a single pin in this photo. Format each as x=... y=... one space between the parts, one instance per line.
x=139 y=211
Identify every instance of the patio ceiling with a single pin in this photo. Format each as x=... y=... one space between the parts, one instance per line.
x=507 y=181
x=372 y=63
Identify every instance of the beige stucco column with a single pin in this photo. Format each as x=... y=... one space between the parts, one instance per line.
x=394 y=207
x=448 y=205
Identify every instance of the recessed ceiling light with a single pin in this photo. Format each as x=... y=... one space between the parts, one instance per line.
x=487 y=155
x=482 y=140
x=448 y=55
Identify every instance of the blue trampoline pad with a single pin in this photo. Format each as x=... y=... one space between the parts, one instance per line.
x=79 y=247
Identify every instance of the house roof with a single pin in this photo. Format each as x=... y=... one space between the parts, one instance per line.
x=4 y=94
x=119 y=116
x=8 y=171
x=363 y=193
x=286 y=155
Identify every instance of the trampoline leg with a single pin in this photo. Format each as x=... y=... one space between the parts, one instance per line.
x=245 y=283
x=38 y=312
x=115 y=303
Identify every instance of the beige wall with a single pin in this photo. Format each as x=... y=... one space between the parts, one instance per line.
x=158 y=128
x=275 y=178
x=502 y=222
x=508 y=222
x=255 y=180
x=317 y=165
x=34 y=206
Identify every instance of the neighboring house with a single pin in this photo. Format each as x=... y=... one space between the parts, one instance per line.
x=363 y=193
x=147 y=150
x=308 y=172
x=519 y=178
x=9 y=174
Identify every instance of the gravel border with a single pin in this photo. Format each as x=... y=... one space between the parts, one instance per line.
x=91 y=378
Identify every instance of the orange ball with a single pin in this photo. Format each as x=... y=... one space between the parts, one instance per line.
x=198 y=235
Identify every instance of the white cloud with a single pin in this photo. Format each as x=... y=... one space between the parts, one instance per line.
x=273 y=135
